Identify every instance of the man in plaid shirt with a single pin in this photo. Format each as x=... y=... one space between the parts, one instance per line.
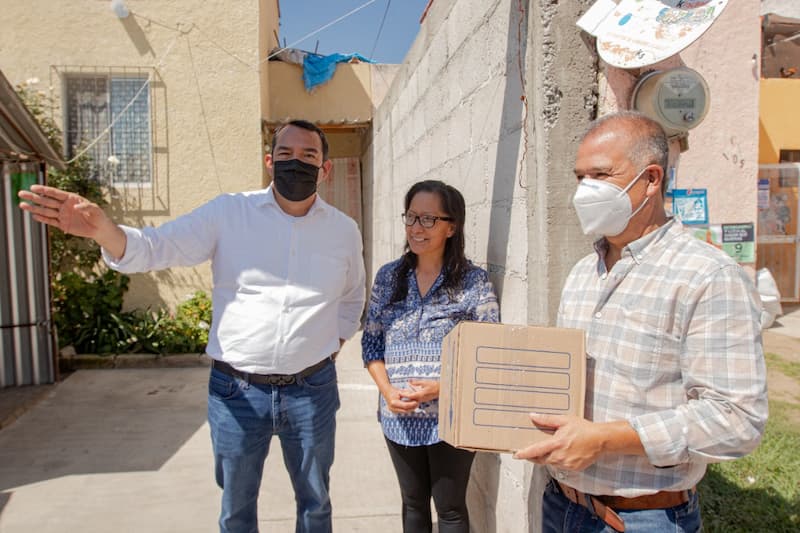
x=675 y=369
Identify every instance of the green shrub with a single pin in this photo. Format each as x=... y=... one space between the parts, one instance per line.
x=162 y=332
x=86 y=310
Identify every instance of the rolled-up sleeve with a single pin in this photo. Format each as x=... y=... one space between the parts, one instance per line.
x=723 y=375
x=186 y=241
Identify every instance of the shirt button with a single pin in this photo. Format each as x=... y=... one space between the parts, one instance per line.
x=603 y=275
x=598 y=314
x=639 y=257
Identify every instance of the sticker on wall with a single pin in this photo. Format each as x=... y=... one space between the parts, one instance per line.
x=637 y=33
x=736 y=240
x=763 y=193
x=709 y=234
x=690 y=205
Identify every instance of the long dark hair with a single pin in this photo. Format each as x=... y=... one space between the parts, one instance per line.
x=455 y=264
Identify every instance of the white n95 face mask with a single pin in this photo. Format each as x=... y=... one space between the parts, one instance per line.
x=603 y=208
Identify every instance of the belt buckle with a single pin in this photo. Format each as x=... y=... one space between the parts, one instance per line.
x=281 y=379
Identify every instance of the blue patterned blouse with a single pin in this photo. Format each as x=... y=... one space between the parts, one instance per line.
x=407 y=336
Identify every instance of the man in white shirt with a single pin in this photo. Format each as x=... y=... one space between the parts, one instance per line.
x=289 y=286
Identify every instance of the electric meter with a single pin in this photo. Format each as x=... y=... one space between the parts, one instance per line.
x=677 y=99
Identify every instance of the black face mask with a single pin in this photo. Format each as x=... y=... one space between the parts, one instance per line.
x=295 y=180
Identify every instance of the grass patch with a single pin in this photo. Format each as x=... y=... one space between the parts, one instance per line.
x=760 y=492
x=789 y=368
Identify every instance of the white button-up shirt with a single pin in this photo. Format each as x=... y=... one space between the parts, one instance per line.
x=286 y=289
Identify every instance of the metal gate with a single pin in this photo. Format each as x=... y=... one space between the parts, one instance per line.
x=778 y=239
x=27 y=346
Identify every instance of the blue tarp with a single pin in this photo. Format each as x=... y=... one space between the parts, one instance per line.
x=318 y=69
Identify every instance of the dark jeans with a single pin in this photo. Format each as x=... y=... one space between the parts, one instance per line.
x=437 y=470
x=561 y=515
x=244 y=417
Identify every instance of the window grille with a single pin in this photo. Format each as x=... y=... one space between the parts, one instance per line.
x=93 y=101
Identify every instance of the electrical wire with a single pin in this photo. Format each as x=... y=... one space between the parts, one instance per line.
x=380 y=29
x=255 y=67
x=325 y=27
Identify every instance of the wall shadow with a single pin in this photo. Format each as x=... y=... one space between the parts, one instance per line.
x=501 y=197
x=4 y=497
x=137 y=35
x=509 y=138
x=100 y=421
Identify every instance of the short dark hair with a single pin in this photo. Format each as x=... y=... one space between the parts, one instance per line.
x=649 y=143
x=455 y=263
x=306 y=125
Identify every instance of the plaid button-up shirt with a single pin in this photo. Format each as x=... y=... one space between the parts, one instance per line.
x=674 y=347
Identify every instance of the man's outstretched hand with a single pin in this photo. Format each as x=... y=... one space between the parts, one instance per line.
x=73 y=214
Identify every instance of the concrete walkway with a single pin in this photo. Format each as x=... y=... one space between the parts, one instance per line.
x=129 y=451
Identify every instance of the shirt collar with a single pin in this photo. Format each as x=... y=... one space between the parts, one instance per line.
x=641 y=246
x=266 y=197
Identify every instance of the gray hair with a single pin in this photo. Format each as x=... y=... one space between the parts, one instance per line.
x=649 y=144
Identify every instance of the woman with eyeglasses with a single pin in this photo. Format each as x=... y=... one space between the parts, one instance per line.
x=416 y=300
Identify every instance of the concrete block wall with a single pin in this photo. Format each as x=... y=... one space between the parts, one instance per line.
x=477 y=72
x=454 y=114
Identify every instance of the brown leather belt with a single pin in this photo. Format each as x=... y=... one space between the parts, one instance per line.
x=269 y=379
x=604 y=506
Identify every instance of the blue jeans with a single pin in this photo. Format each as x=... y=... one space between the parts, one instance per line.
x=244 y=417
x=560 y=514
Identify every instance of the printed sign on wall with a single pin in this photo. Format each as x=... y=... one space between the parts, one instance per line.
x=736 y=240
x=690 y=205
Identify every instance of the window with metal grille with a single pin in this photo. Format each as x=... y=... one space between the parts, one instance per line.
x=93 y=102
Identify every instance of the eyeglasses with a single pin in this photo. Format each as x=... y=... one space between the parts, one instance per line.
x=426 y=221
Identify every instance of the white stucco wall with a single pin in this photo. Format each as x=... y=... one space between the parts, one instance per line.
x=205 y=99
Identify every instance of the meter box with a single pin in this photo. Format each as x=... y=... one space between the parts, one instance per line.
x=678 y=99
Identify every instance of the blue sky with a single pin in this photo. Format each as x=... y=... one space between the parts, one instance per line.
x=356 y=33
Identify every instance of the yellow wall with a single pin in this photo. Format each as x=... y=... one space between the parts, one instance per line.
x=346 y=98
x=205 y=100
x=779 y=118
x=268 y=28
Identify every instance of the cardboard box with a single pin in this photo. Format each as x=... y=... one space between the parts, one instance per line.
x=494 y=375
